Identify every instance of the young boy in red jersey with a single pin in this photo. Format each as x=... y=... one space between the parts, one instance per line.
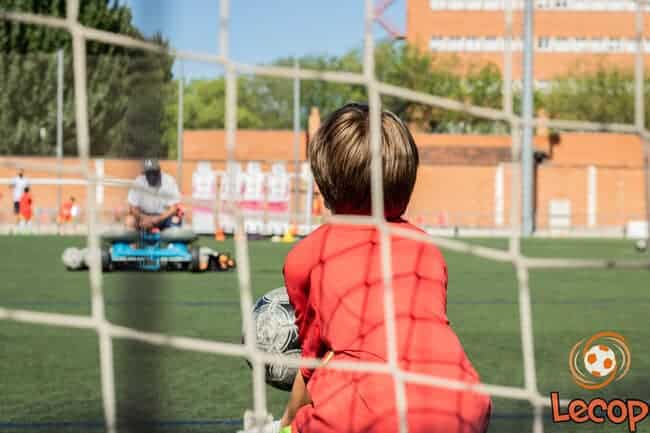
x=334 y=281
x=66 y=212
x=25 y=207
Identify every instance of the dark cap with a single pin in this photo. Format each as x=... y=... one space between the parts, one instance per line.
x=151 y=164
x=151 y=169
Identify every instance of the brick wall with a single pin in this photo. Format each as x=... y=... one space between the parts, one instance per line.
x=452 y=194
x=267 y=145
x=456 y=181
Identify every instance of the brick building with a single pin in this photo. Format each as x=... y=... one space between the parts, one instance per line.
x=568 y=33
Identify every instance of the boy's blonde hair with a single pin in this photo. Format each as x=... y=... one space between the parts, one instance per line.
x=339 y=154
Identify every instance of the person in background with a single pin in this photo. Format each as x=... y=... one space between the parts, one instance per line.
x=154 y=199
x=69 y=211
x=25 y=208
x=18 y=184
x=74 y=210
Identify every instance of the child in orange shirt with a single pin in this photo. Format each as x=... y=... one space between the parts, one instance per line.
x=25 y=207
x=67 y=211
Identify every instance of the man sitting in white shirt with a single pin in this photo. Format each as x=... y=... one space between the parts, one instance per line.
x=153 y=200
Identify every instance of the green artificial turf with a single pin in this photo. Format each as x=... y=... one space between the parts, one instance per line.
x=50 y=377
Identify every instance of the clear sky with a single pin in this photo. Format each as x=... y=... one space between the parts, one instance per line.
x=261 y=30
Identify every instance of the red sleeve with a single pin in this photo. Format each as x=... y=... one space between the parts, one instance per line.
x=432 y=266
x=312 y=347
x=297 y=274
x=297 y=271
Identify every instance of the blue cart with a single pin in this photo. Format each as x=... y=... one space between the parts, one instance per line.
x=170 y=249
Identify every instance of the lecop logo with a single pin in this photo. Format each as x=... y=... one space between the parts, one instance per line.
x=599 y=360
x=596 y=362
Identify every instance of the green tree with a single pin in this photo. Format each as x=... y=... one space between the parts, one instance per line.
x=406 y=66
x=204 y=104
x=267 y=103
x=126 y=88
x=603 y=95
x=148 y=91
x=271 y=99
x=481 y=86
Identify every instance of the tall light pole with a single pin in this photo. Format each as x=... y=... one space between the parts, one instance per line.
x=527 y=150
x=59 y=123
x=296 y=149
x=179 y=146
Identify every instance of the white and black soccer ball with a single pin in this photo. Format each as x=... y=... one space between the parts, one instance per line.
x=641 y=245
x=85 y=258
x=276 y=332
x=73 y=259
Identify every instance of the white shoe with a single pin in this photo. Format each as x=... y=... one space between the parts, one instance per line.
x=269 y=425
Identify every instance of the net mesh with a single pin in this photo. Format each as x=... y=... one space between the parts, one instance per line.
x=108 y=331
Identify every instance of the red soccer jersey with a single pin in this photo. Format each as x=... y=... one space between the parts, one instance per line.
x=25 y=206
x=334 y=281
x=65 y=215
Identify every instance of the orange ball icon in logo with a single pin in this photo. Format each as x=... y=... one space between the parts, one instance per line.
x=599 y=360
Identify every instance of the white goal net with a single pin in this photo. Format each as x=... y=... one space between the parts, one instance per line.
x=523 y=264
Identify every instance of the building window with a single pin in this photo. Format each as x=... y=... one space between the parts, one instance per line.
x=438 y=4
x=474 y=4
x=576 y=5
x=455 y=5
x=549 y=44
x=492 y=5
x=562 y=45
x=437 y=43
x=543 y=43
x=490 y=44
x=473 y=44
x=630 y=46
x=455 y=44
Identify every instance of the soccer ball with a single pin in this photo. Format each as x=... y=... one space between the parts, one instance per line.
x=641 y=245
x=73 y=259
x=276 y=332
x=600 y=360
x=85 y=259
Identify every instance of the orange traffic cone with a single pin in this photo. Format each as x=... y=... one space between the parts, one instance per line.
x=219 y=235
